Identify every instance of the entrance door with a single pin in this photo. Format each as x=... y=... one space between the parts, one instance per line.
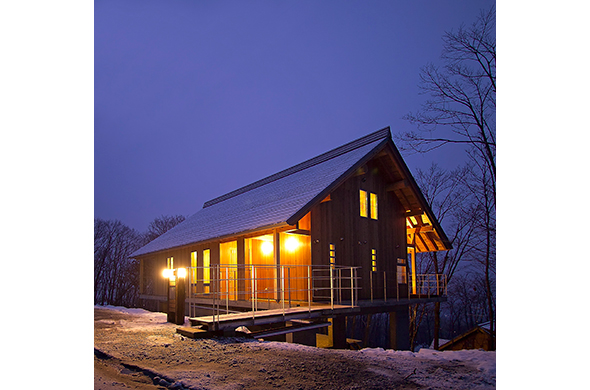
x=228 y=262
x=296 y=261
x=260 y=259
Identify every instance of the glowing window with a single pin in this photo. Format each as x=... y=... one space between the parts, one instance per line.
x=373 y=206
x=402 y=271
x=373 y=260
x=206 y=269
x=332 y=255
x=194 y=267
x=363 y=203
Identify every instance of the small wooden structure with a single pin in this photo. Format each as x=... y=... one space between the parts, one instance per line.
x=476 y=338
x=340 y=230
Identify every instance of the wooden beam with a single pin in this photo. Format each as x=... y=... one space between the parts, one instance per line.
x=398 y=185
x=425 y=244
x=415 y=212
x=425 y=228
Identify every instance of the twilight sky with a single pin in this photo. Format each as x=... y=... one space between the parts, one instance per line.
x=194 y=99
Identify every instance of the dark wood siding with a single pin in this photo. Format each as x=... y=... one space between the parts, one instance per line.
x=338 y=221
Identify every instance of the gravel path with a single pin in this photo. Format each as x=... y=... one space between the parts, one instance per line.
x=139 y=352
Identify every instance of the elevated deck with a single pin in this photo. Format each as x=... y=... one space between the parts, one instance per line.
x=272 y=316
x=264 y=317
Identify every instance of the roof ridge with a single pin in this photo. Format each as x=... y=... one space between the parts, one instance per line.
x=350 y=146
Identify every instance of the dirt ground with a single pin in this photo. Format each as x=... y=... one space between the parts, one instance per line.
x=149 y=357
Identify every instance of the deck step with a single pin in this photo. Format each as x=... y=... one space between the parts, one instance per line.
x=193 y=333
x=298 y=327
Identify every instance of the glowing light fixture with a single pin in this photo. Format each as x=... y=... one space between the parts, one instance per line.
x=267 y=247
x=181 y=272
x=168 y=273
x=291 y=243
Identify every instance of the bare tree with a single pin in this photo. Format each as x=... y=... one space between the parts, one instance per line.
x=448 y=198
x=461 y=104
x=460 y=109
x=115 y=274
x=161 y=225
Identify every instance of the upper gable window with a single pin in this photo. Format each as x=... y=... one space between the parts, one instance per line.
x=373 y=206
x=364 y=203
x=368 y=204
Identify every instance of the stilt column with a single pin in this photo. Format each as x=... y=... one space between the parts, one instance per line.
x=399 y=329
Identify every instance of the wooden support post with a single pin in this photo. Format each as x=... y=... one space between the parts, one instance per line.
x=180 y=300
x=367 y=331
x=413 y=265
x=339 y=332
x=399 y=329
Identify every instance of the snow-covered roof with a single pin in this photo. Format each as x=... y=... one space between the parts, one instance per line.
x=272 y=201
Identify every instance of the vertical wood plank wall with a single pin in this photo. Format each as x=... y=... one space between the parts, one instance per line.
x=336 y=221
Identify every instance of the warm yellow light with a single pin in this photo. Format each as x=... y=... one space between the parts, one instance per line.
x=363 y=203
x=291 y=243
x=167 y=273
x=267 y=247
x=181 y=272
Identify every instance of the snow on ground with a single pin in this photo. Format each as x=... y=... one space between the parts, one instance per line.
x=145 y=339
x=135 y=319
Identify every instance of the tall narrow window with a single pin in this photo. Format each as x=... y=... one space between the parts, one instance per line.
x=363 y=203
x=332 y=255
x=194 y=267
x=206 y=269
x=373 y=206
x=402 y=271
x=374 y=260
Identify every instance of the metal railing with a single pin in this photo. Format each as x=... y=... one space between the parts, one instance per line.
x=431 y=285
x=284 y=286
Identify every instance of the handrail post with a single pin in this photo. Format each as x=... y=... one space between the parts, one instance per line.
x=351 y=288
x=371 y=280
x=283 y=288
x=309 y=287
x=384 y=287
x=356 y=293
x=252 y=279
x=437 y=286
x=331 y=289
x=255 y=292
x=289 y=285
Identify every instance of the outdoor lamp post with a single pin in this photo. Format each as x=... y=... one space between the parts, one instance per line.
x=177 y=297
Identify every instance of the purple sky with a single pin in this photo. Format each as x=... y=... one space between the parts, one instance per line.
x=194 y=99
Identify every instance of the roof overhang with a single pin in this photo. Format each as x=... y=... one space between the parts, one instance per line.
x=424 y=232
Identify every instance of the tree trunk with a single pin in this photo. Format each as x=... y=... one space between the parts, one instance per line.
x=436 y=323
x=436 y=307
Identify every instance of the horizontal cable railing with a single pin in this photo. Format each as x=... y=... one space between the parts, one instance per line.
x=431 y=285
x=284 y=285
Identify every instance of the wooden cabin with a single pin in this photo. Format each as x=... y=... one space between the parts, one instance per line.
x=480 y=337
x=341 y=228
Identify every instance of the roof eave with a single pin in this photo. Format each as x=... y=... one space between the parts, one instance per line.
x=418 y=193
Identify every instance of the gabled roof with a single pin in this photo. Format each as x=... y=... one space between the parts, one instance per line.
x=277 y=200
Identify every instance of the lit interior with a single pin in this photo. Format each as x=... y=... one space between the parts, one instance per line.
x=267 y=247
x=363 y=203
x=292 y=243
